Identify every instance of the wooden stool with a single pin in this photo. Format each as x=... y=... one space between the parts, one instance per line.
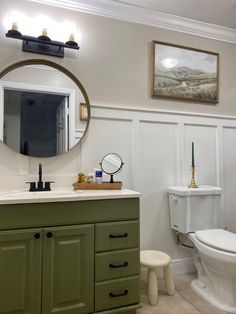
x=152 y=260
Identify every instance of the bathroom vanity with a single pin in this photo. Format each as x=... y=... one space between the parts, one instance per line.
x=69 y=253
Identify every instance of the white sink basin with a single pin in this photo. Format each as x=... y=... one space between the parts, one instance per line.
x=28 y=195
x=33 y=196
x=61 y=195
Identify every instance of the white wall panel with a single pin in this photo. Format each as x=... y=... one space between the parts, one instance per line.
x=205 y=151
x=158 y=170
x=230 y=178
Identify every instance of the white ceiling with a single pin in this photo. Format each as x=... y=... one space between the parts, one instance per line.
x=219 y=12
x=215 y=19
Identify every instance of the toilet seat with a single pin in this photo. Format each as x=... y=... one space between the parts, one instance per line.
x=218 y=239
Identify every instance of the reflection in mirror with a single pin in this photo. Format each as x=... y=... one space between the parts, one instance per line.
x=40 y=110
x=111 y=164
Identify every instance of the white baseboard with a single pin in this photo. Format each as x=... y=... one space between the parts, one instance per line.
x=178 y=267
x=183 y=266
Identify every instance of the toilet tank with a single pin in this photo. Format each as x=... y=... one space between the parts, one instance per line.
x=194 y=209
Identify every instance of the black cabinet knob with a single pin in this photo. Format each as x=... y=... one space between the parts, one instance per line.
x=37 y=235
x=49 y=234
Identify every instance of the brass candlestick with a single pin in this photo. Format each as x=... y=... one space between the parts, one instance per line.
x=193 y=184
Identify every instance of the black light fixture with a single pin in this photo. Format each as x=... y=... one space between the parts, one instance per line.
x=42 y=44
x=71 y=41
x=14 y=31
x=44 y=35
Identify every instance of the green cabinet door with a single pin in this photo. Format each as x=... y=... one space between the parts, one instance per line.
x=20 y=271
x=68 y=270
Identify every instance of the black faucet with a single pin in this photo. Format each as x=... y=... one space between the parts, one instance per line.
x=40 y=184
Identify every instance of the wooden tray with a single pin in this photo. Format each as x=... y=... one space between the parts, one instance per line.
x=98 y=186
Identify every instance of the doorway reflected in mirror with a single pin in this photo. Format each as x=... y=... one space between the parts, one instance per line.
x=40 y=121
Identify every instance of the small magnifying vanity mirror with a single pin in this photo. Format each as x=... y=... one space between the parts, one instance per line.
x=111 y=164
x=40 y=108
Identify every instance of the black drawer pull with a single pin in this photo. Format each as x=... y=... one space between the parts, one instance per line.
x=118 y=235
x=37 y=235
x=49 y=234
x=118 y=265
x=118 y=294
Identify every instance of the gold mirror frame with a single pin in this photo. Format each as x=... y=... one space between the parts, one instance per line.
x=59 y=68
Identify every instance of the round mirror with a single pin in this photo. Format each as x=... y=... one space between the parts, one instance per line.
x=111 y=164
x=44 y=109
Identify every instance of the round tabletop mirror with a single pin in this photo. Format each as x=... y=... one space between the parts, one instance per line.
x=111 y=164
x=44 y=108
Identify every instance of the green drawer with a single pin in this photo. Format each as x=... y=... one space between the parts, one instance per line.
x=130 y=309
x=116 y=293
x=116 y=264
x=116 y=235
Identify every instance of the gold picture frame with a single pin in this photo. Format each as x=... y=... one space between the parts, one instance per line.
x=83 y=111
x=184 y=73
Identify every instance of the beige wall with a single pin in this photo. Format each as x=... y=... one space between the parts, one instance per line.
x=113 y=62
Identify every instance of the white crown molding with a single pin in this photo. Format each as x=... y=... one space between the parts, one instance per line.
x=136 y=14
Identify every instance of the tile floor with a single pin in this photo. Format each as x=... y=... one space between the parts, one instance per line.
x=185 y=301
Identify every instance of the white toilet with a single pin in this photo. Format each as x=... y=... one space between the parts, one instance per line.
x=195 y=212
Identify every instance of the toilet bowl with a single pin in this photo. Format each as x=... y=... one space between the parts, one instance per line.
x=215 y=259
x=195 y=212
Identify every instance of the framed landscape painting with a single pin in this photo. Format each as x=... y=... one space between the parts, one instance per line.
x=184 y=73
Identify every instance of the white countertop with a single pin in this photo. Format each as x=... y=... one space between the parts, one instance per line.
x=62 y=195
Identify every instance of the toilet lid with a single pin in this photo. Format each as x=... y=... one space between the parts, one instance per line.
x=219 y=239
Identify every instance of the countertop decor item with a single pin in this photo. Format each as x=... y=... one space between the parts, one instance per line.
x=180 y=72
x=111 y=164
x=98 y=186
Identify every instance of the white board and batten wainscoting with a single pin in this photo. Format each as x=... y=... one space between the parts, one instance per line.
x=156 y=148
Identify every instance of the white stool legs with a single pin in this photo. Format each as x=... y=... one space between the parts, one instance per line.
x=152 y=286
x=170 y=286
x=153 y=259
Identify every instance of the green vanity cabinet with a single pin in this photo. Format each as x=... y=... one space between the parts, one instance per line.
x=116 y=264
x=75 y=257
x=20 y=271
x=68 y=269
x=57 y=261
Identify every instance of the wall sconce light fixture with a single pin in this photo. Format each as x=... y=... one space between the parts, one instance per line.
x=42 y=44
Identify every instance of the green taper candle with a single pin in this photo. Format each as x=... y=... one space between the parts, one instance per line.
x=193 y=164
